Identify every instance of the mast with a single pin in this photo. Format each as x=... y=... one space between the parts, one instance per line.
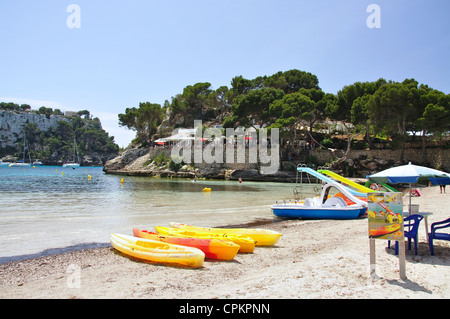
x=75 y=153
x=25 y=148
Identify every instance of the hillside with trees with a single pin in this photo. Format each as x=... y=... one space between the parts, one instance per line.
x=382 y=113
x=50 y=135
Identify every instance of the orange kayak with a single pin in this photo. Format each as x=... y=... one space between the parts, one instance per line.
x=213 y=248
x=384 y=230
x=246 y=244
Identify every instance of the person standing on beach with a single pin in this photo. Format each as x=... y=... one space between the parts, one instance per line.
x=442 y=187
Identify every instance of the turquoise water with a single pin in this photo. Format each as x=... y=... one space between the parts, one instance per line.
x=50 y=209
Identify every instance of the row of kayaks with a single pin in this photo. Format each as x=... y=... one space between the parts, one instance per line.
x=188 y=246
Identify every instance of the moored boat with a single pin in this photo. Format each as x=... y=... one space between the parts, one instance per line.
x=71 y=164
x=20 y=163
x=4 y=164
x=75 y=162
x=157 y=251
x=222 y=249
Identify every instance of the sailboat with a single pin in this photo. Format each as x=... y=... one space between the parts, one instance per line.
x=22 y=163
x=4 y=164
x=75 y=163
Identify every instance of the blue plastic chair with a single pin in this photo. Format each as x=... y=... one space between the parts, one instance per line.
x=410 y=229
x=441 y=236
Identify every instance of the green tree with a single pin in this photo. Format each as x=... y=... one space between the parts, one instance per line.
x=195 y=96
x=84 y=113
x=47 y=111
x=293 y=80
x=25 y=107
x=437 y=118
x=64 y=132
x=290 y=110
x=240 y=85
x=255 y=105
x=350 y=106
x=391 y=107
x=143 y=120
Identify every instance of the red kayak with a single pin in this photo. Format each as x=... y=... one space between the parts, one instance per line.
x=213 y=248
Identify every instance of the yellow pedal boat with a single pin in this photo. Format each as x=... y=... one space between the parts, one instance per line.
x=157 y=251
x=262 y=237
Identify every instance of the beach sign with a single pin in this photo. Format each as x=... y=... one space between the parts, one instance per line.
x=385 y=212
x=385 y=215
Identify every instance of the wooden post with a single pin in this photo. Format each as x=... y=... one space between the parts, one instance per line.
x=402 y=259
x=372 y=258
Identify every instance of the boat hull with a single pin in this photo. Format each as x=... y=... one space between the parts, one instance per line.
x=297 y=211
x=158 y=252
x=71 y=165
x=20 y=165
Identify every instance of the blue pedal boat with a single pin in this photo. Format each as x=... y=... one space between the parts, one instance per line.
x=323 y=207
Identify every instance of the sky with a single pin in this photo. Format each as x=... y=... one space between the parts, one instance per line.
x=108 y=55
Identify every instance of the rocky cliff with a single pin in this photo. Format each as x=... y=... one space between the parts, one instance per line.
x=50 y=138
x=12 y=125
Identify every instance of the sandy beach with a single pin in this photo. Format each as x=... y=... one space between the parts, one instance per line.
x=313 y=259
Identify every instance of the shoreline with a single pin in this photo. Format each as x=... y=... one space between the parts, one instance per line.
x=313 y=259
x=94 y=245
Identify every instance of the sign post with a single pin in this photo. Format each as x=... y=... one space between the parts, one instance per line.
x=385 y=212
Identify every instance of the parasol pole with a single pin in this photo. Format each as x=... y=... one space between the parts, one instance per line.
x=409 y=199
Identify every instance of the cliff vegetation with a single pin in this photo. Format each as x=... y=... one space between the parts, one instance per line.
x=50 y=135
x=381 y=114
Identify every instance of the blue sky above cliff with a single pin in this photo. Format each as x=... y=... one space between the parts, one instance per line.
x=126 y=52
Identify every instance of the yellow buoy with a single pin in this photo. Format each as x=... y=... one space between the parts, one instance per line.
x=121 y=181
x=89 y=177
x=206 y=189
x=62 y=173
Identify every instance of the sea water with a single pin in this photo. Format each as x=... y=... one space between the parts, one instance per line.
x=50 y=209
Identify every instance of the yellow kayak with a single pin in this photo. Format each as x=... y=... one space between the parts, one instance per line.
x=157 y=251
x=263 y=237
x=246 y=244
x=213 y=248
